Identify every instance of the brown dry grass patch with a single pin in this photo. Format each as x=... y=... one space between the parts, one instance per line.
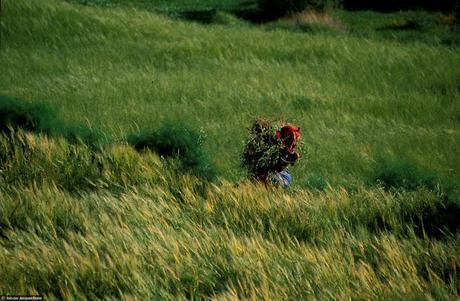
x=318 y=19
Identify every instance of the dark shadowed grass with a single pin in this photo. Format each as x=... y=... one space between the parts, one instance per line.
x=34 y=117
x=437 y=219
x=175 y=140
x=39 y=117
x=401 y=174
x=403 y=26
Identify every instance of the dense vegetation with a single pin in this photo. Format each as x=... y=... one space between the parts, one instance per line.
x=107 y=189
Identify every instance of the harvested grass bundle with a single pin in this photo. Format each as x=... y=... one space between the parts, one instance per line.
x=270 y=148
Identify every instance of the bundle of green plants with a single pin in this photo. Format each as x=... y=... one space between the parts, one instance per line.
x=175 y=140
x=262 y=152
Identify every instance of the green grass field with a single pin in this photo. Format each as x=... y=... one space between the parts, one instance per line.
x=377 y=99
x=170 y=5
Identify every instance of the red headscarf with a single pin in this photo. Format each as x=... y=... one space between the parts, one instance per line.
x=289 y=135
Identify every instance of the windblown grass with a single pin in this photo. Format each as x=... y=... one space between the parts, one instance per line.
x=78 y=222
x=175 y=140
x=117 y=69
x=42 y=118
x=140 y=231
x=168 y=6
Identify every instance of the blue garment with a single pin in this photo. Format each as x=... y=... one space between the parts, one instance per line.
x=282 y=178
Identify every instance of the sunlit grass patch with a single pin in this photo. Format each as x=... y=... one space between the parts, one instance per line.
x=309 y=22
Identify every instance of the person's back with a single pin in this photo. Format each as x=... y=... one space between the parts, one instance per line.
x=268 y=153
x=288 y=136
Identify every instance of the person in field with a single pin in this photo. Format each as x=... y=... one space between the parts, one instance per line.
x=287 y=137
x=270 y=150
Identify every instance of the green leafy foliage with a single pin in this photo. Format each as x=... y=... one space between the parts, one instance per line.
x=261 y=154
